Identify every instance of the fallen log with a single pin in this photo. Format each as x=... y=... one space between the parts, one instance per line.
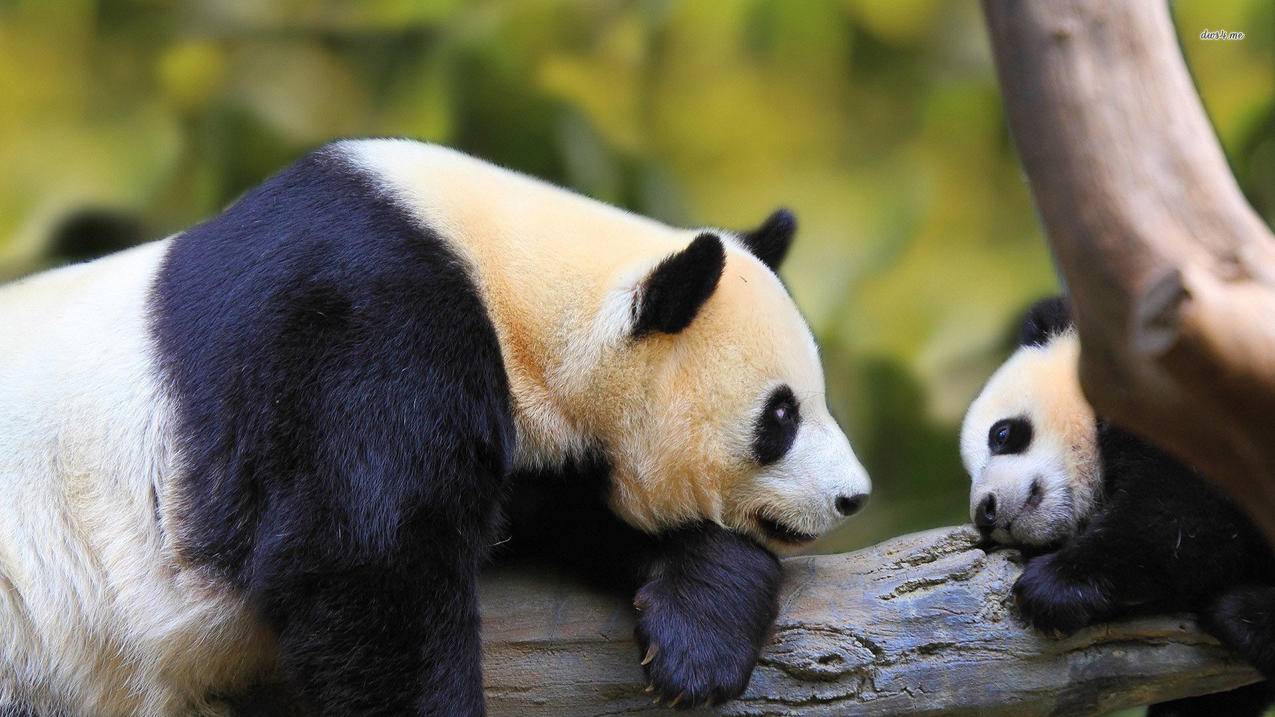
x=917 y=625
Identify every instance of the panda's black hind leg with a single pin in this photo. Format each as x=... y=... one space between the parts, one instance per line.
x=399 y=637
x=1243 y=618
x=1247 y=701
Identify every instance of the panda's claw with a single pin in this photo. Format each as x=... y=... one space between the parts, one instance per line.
x=650 y=654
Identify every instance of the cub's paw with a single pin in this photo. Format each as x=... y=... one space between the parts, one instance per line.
x=1057 y=603
x=692 y=657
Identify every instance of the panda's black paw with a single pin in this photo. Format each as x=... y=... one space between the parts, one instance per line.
x=691 y=659
x=706 y=607
x=1055 y=602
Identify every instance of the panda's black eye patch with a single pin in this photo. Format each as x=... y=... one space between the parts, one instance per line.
x=1009 y=435
x=776 y=427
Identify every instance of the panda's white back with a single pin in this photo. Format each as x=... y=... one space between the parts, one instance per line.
x=97 y=615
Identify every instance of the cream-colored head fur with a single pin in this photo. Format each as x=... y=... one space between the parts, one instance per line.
x=1042 y=493
x=564 y=278
x=676 y=414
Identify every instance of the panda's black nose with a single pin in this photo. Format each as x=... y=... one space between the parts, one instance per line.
x=850 y=504
x=985 y=514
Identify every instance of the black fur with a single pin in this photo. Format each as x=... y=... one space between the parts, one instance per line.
x=1045 y=319
x=770 y=241
x=678 y=286
x=269 y=700
x=706 y=597
x=705 y=612
x=345 y=431
x=1163 y=539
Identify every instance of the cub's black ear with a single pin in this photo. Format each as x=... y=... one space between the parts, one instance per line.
x=770 y=241
x=677 y=287
x=1045 y=318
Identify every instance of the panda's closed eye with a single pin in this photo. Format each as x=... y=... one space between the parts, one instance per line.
x=776 y=426
x=1009 y=435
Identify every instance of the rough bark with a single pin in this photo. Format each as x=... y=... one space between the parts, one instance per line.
x=918 y=625
x=1171 y=272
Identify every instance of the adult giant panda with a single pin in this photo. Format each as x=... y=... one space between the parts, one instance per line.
x=1116 y=526
x=277 y=445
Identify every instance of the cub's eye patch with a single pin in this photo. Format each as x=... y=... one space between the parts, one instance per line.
x=1009 y=435
x=776 y=426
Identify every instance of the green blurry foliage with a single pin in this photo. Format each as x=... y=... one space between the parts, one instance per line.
x=880 y=123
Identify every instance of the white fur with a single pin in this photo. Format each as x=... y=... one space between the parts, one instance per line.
x=97 y=614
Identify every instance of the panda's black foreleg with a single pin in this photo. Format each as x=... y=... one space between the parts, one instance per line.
x=395 y=637
x=1058 y=594
x=705 y=609
x=706 y=597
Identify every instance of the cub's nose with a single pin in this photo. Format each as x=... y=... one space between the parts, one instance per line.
x=985 y=513
x=851 y=504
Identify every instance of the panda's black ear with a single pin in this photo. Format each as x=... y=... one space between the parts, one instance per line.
x=1046 y=318
x=770 y=241
x=672 y=294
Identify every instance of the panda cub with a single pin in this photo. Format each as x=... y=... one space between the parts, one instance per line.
x=1118 y=527
x=278 y=447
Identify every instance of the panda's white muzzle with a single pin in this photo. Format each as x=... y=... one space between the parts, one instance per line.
x=1022 y=500
x=816 y=486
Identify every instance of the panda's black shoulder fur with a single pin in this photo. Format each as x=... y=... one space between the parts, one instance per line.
x=1191 y=540
x=344 y=428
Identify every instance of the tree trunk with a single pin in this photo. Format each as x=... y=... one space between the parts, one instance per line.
x=1170 y=271
x=918 y=625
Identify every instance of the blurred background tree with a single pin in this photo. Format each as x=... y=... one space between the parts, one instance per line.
x=879 y=122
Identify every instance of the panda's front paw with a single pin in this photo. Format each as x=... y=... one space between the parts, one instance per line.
x=691 y=657
x=1053 y=601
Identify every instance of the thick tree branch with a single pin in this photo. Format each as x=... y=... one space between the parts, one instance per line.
x=1171 y=272
x=915 y=625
